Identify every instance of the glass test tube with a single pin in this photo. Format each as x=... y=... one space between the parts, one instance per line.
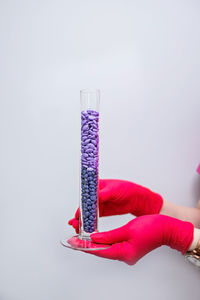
x=89 y=180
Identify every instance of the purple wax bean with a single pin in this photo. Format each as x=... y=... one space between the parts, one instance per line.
x=94 y=142
x=83 y=122
x=91 y=117
x=87 y=141
x=89 y=150
x=90 y=145
x=85 y=127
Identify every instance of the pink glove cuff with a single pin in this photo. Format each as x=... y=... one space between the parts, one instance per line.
x=178 y=234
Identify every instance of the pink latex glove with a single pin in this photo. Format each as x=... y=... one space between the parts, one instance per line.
x=143 y=234
x=117 y=197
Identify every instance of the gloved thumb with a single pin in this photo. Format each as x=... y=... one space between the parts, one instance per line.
x=110 y=237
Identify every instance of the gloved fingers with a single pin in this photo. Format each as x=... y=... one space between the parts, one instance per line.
x=75 y=224
x=104 y=194
x=110 y=237
x=102 y=183
x=118 y=251
x=77 y=214
x=70 y=221
x=104 y=191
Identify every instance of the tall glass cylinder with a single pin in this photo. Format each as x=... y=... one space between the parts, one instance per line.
x=88 y=222
x=89 y=180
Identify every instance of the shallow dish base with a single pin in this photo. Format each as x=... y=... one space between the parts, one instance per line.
x=76 y=243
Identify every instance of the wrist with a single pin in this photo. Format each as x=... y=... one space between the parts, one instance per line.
x=196 y=238
x=184 y=213
x=169 y=209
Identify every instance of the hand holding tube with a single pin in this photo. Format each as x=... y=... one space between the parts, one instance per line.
x=118 y=197
x=132 y=241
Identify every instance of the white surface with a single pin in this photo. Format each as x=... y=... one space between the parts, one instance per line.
x=144 y=56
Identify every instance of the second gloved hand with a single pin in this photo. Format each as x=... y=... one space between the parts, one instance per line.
x=143 y=234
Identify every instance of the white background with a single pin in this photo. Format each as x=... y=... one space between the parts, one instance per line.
x=144 y=57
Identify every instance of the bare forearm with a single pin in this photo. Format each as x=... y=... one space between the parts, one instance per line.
x=180 y=212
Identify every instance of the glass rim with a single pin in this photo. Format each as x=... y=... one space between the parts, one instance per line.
x=88 y=91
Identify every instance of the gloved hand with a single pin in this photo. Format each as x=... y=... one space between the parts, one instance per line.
x=143 y=234
x=117 y=197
